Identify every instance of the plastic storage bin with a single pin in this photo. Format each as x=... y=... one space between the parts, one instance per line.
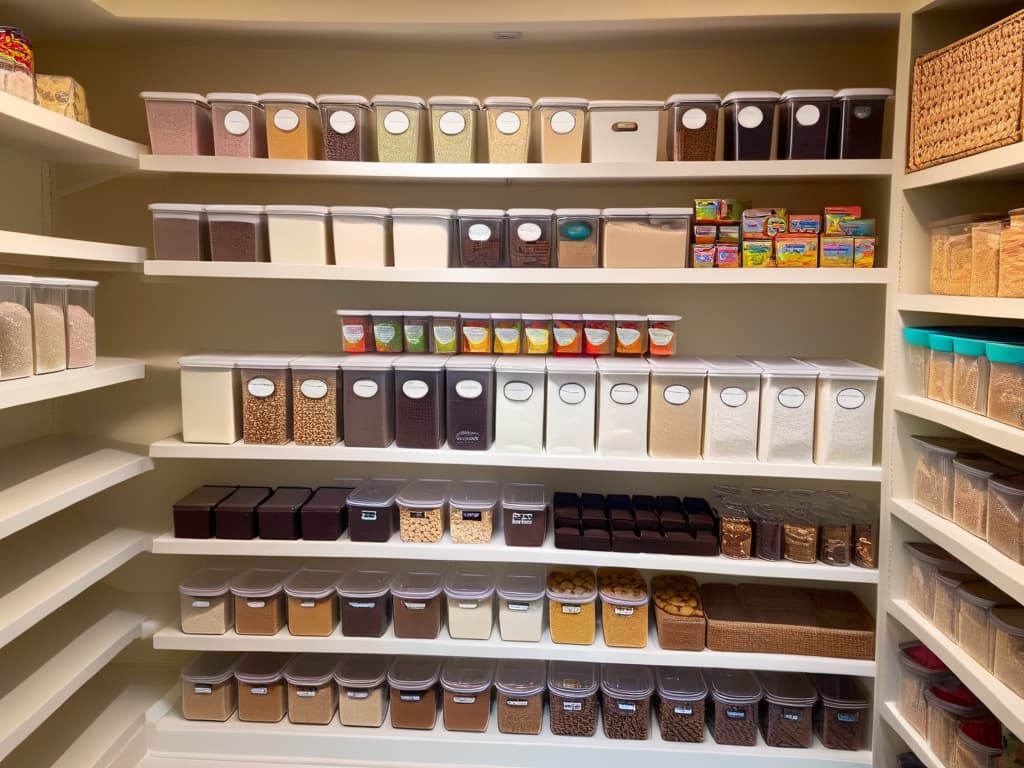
x=356 y=331
x=211 y=399
x=949 y=705
x=1008 y=657
x=278 y=516
x=626 y=701
x=623 y=406
x=208 y=689
x=572 y=695
x=508 y=128
x=387 y=331
x=524 y=514
x=81 y=323
x=1005 y=525
x=49 y=324
x=298 y=234
x=925 y=560
x=860 y=122
x=1006 y=384
x=598 y=335
x=239 y=125
x=731 y=409
x=194 y=516
x=472 y=505
x=238 y=233
x=467 y=694
x=918 y=354
x=179 y=123
x=571 y=406
x=423 y=238
x=663 y=331
x=453 y=128
x=325 y=516
x=567 y=334
x=531 y=237
x=971 y=478
x=519 y=690
x=940 y=367
x=347 y=126
x=416 y=603
x=786 y=711
x=235 y=517
x=413 y=682
x=537 y=332
x=419 y=401
x=733 y=709
x=678 y=613
x=259 y=601
x=362 y=690
x=477 y=330
x=312 y=602
x=572 y=606
x=681 y=697
x=971 y=373
x=401 y=129
x=947 y=600
x=974 y=630
x=841 y=721
x=804 y=124
x=421 y=511
x=979 y=744
x=579 y=237
x=920 y=669
x=368 y=400
x=470 y=596
x=180 y=232
x=693 y=126
x=312 y=694
x=562 y=127
x=624 y=131
x=482 y=237
x=417 y=328
x=656 y=238
x=624 y=607
x=316 y=415
x=469 y=402
x=786 y=431
x=676 y=407
x=519 y=404
x=845 y=412
x=262 y=691
x=749 y=118
x=372 y=510
x=365 y=600
x=206 y=606
x=266 y=399
x=360 y=235
x=933 y=471
x=293 y=126
x=521 y=591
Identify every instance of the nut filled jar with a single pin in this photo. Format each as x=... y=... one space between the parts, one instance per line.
x=521 y=603
x=681 y=697
x=626 y=691
x=470 y=594
x=786 y=710
x=262 y=690
x=365 y=598
x=624 y=609
x=316 y=415
x=259 y=602
x=421 y=511
x=467 y=694
x=206 y=606
x=312 y=694
x=266 y=399
x=519 y=688
x=572 y=693
x=572 y=606
x=732 y=715
x=312 y=602
x=471 y=509
x=208 y=690
x=416 y=603
x=413 y=682
x=362 y=690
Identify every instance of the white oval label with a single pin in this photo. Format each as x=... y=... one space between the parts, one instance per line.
x=565 y=336
x=475 y=334
x=365 y=388
x=661 y=337
x=507 y=123
x=677 y=394
x=628 y=336
x=518 y=391
x=791 y=397
x=236 y=123
x=396 y=122
x=850 y=398
x=596 y=336
x=733 y=397
x=444 y=334
x=452 y=123
x=694 y=119
x=342 y=121
x=415 y=389
x=385 y=332
x=507 y=335
x=808 y=115
x=314 y=389
x=862 y=113
x=529 y=233
x=563 y=122
x=470 y=390
x=479 y=232
x=286 y=120
x=572 y=394
x=353 y=333
x=260 y=387
x=750 y=117
x=624 y=394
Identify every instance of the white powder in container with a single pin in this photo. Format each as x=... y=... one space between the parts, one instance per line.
x=15 y=341
x=787 y=410
x=360 y=236
x=731 y=409
x=422 y=237
x=845 y=412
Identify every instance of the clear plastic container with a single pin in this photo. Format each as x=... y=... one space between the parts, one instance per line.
x=316 y=415
x=676 y=421
x=266 y=399
x=206 y=606
x=239 y=125
x=947 y=600
x=294 y=130
x=579 y=237
x=845 y=412
x=971 y=373
x=420 y=401
x=417 y=329
x=599 y=335
x=626 y=692
x=423 y=238
x=482 y=241
x=312 y=694
x=16 y=350
x=860 y=122
x=387 y=331
x=211 y=399
x=732 y=714
x=521 y=591
x=422 y=506
x=362 y=690
x=949 y=705
x=472 y=505
x=519 y=404
x=693 y=132
x=519 y=690
x=841 y=721
x=508 y=333
x=445 y=333
x=571 y=406
x=572 y=694
x=985 y=239
x=624 y=131
x=453 y=128
x=804 y=124
x=372 y=510
x=401 y=129
x=298 y=234
x=416 y=602
x=524 y=513
x=347 y=124
x=645 y=237
x=531 y=237
x=49 y=324
x=920 y=669
x=469 y=405
x=979 y=744
x=663 y=331
x=312 y=602
x=786 y=711
x=414 y=694
x=925 y=560
x=681 y=697
x=508 y=128
x=365 y=600
x=933 y=471
x=179 y=123
x=259 y=601
x=624 y=386
x=749 y=118
x=238 y=233
x=786 y=432
x=731 y=409
x=974 y=630
x=572 y=606
x=467 y=694
x=180 y=232
x=537 y=333
x=368 y=400
x=81 y=323
x=361 y=236
x=562 y=128
x=477 y=331
x=470 y=596
x=567 y=331
x=624 y=607
x=1008 y=657
x=940 y=367
x=1005 y=525
x=208 y=689
x=918 y=355
x=1006 y=384
x=970 y=491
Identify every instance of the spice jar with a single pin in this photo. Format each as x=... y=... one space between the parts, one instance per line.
x=236 y=516
x=950 y=703
x=362 y=690
x=974 y=631
x=421 y=511
x=444 y=338
x=346 y=123
x=49 y=324
x=416 y=602
x=259 y=601
x=476 y=333
x=1005 y=526
x=1006 y=384
x=266 y=399
x=508 y=333
x=208 y=689
x=519 y=689
x=467 y=694
x=423 y=238
x=179 y=123
x=676 y=421
x=453 y=128
x=194 y=514
x=206 y=606
x=312 y=695
x=732 y=716
x=180 y=233
x=312 y=602
x=678 y=613
x=482 y=237
x=387 y=331
x=681 y=696
x=568 y=334
x=572 y=693
x=413 y=682
x=470 y=401
x=579 y=237
x=662 y=331
x=598 y=333
x=531 y=240
x=361 y=235
x=920 y=669
x=416 y=332
x=626 y=701
x=508 y=128
x=470 y=593
x=631 y=334
x=420 y=401
x=365 y=601
x=316 y=417
x=537 y=334
x=238 y=233
x=694 y=131
x=786 y=709
x=401 y=129
x=239 y=125
x=572 y=601
x=262 y=691
x=472 y=506
x=842 y=719
x=293 y=126
x=368 y=400
x=372 y=511
x=623 y=607
x=562 y=124
x=524 y=514
x=521 y=603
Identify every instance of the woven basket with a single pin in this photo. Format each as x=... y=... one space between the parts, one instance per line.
x=967 y=97
x=679 y=633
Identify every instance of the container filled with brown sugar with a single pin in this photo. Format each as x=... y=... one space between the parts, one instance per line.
x=316 y=410
x=786 y=711
x=293 y=126
x=238 y=233
x=732 y=713
x=624 y=607
x=572 y=606
x=239 y=125
x=266 y=399
x=208 y=690
x=572 y=693
x=259 y=597
x=262 y=690
x=312 y=602
x=207 y=607
x=626 y=691
x=312 y=694
x=467 y=687
x=417 y=602
x=414 y=692
x=681 y=698
x=519 y=688
x=365 y=599
x=362 y=690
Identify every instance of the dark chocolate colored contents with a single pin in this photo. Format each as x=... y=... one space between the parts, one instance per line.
x=194 y=516
x=278 y=516
x=236 y=515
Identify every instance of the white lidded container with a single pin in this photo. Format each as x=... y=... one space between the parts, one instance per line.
x=731 y=409
x=298 y=234
x=519 y=404
x=423 y=237
x=470 y=593
x=521 y=596
x=508 y=128
x=453 y=128
x=624 y=131
x=571 y=406
x=361 y=236
x=562 y=124
x=211 y=399
x=845 y=432
x=788 y=389
x=676 y=423
x=622 y=409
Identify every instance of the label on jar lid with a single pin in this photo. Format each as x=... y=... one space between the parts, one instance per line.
x=308 y=604
x=507 y=123
x=202 y=690
x=479 y=232
x=572 y=394
x=624 y=394
x=596 y=336
x=464 y=699
x=628 y=336
x=452 y=123
x=368 y=516
x=677 y=394
x=850 y=398
x=411 y=696
x=808 y=115
x=396 y=122
x=694 y=119
x=354 y=694
x=733 y=397
x=735 y=714
x=623 y=611
x=414 y=606
x=572 y=706
x=342 y=121
x=362 y=603
x=517 y=703
x=200 y=603
x=470 y=390
x=792 y=397
x=417 y=514
x=415 y=389
x=848 y=717
x=306 y=693
x=626 y=706
x=286 y=120
x=529 y=232
x=521 y=607
x=314 y=389
x=353 y=332
x=522 y=518
x=472 y=516
x=661 y=337
x=563 y=122
x=261 y=691
x=260 y=387
x=750 y=117
x=681 y=710
x=571 y=609
x=793 y=715
x=256 y=603
x=236 y=123
x=469 y=606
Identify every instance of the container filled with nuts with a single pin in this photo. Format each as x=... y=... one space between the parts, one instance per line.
x=572 y=606
x=678 y=612
x=786 y=709
x=266 y=399
x=421 y=508
x=316 y=417
x=623 y=607
x=626 y=701
x=417 y=600
x=681 y=695
x=521 y=603
x=519 y=689
x=471 y=505
x=732 y=716
x=572 y=693
x=737 y=534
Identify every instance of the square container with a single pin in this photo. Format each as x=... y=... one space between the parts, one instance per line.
x=294 y=131
x=470 y=402
x=179 y=123
x=239 y=125
x=467 y=694
x=731 y=409
x=401 y=128
x=356 y=331
x=423 y=238
x=749 y=118
x=81 y=323
x=420 y=401
x=572 y=695
x=445 y=333
x=521 y=590
x=804 y=124
x=636 y=238
x=1005 y=525
x=693 y=128
x=598 y=335
x=949 y=705
x=372 y=510
x=917 y=357
x=312 y=694
x=531 y=237
x=508 y=128
x=524 y=513
x=470 y=594
x=259 y=602
x=453 y=128
x=971 y=477
x=361 y=236
x=262 y=690
x=278 y=516
x=974 y=631
x=476 y=333
x=571 y=406
x=622 y=406
x=562 y=127
x=266 y=399
x=368 y=401
x=417 y=330
x=416 y=603
x=235 y=517
x=421 y=511
x=924 y=562
x=841 y=720
x=933 y=471
x=49 y=324
x=681 y=697
x=472 y=505
x=482 y=237
x=362 y=690
x=624 y=611
x=16 y=351
x=206 y=606
x=626 y=692
x=578 y=237
x=519 y=690
x=238 y=233
x=845 y=412
x=208 y=689
x=786 y=711
x=624 y=131
x=316 y=415
x=860 y=122
x=940 y=367
x=298 y=234
x=193 y=515
x=211 y=399
x=786 y=433
x=1006 y=384
x=732 y=712
x=387 y=331
x=947 y=600
x=347 y=126
x=1008 y=658
x=572 y=606
x=676 y=420
x=312 y=603
x=663 y=331
x=365 y=600
x=508 y=333
x=537 y=333
x=413 y=683
x=180 y=232
x=971 y=373
x=567 y=331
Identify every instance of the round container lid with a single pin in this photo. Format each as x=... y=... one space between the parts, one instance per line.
x=368 y=362
x=258 y=582
x=612 y=104
x=81 y=283
x=917 y=337
x=313 y=584
x=392 y=100
x=734 y=686
x=176 y=208
x=298 y=210
x=730 y=366
x=507 y=102
x=807 y=94
x=261 y=668
x=233 y=98
x=861 y=93
x=173 y=96
x=378 y=492
x=627 y=681
x=438 y=213
x=1009 y=620
x=554 y=102
x=515 y=677
x=523 y=496
x=737 y=96
x=480 y=213
x=474 y=494
x=209 y=582
x=311 y=669
x=414 y=673
x=420 y=362
x=523 y=582
x=679 y=684
x=342 y=99
x=677 y=365
x=359 y=210
x=467 y=675
x=693 y=98
x=792 y=689
x=365 y=583
x=572 y=679
x=288 y=98
x=265 y=361
x=417 y=584
x=424 y=493
x=362 y=671
x=235 y=210
x=210 y=668
x=470 y=583
x=837 y=368
x=533 y=213
x=317 y=362
x=841 y=692
x=460 y=102
x=984 y=595
x=557 y=592
x=208 y=360
x=578 y=212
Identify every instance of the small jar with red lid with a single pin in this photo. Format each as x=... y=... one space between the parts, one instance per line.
x=630 y=334
x=599 y=334
x=662 y=331
x=568 y=334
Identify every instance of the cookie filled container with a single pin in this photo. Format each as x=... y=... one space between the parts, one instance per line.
x=422 y=507
x=572 y=606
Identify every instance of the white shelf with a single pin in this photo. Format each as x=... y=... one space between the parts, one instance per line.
x=1004 y=703
x=174 y=448
x=971 y=424
x=497 y=552
x=42 y=477
x=982 y=558
x=1003 y=164
x=107 y=372
x=285 y=744
x=969 y=306
x=25 y=244
x=509 y=172
x=172 y=638
x=915 y=741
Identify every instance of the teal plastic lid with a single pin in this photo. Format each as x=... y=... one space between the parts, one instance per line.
x=940 y=343
x=1005 y=353
x=969 y=347
x=917 y=337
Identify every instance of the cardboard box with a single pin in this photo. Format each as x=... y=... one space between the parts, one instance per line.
x=836 y=251
x=796 y=251
x=758 y=253
x=863 y=252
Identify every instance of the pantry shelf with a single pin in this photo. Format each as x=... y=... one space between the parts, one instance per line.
x=915 y=741
x=971 y=424
x=83 y=252
x=107 y=372
x=497 y=552
x=983 y=559
x=1002 y=164
x=172 y=638
x=174 y=448
x=968 y=306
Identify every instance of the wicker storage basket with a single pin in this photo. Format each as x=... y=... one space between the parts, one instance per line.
x=966 y=97
x=758 y=618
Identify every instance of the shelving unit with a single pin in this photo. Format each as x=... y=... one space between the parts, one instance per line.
x=1003 y=164
x=107 y=372
x=77 y=253
x=971 y=424
x=968 y=306
x=891 y=715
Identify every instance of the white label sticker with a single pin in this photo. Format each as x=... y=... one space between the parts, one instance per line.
x=469 y=606
x=444 y=334
x=452 y=123
x=236 y=123
x=353 y=333
x=518 y=391
x=520 y=607
x=362 y=603
x=522 y=518
x=626 y=706
x=627 y=336
x=507 y=123
x=369 y=516
x=469 y=390
x=571 y=609
x=286 y=120
x=572 y=706
x=464 y=699
x=563 y=122
x=734 y=397
x=342 y=121
x=353 y=694
x=529 y=232
x=622 y=611
x=256 y=603
x=308 y=604
x=385 y=332
x=260 y=387
x=572 y=394
x=365 y=388
x=750 y=117
x=677 y=394
x=537 y=337
x=661 y=337
x=808 y=115
x=516 y=703
x=202 y=690
x=683 y=710
x=411 y=696
x=314 y=389
x=862 y=112
x=306 y=693
x=565 y=336
x=475 y=334
x=624 y=394
x=507 y=335
x=415 y=389
x=414 y=606
x=479 y=232
x=200 y=603
x=792 y=397
x=261 y=691
x=694 y=119
x=850 y=398
x=396 y=122
x=597 y=336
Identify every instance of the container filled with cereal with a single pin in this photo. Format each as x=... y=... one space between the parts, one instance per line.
x=362 y=690
x=947 y=600
x=470 y=593
x=519 y=690
x=732 y=714
x=681 y=697
x=933 y=471
x=467 y=687
x=1008 y=656
x=572 y=693
x=624 y=611
x=971 y=373
x=786 y=711
x=920 y=669
x=421 y=511
x=572 y=606
x=626 y=691
x=678 y=612
x=918 y=354
x=416 y=603
x=472 y=505
x=266 y=399
x=521 y=603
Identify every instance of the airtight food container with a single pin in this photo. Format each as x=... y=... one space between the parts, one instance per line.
x=469 y=401
x=1008 y=656
x=624 y=607
x=180 y=232
x=81 y=323
x=519 y=404
x=372 y=510
x=681 y=698
x=259 y=601
x=974 y=630
x=239 y=125
x=1005 y=525
x=950 y=704
x=578 y=237
x=531 y=237
x=420 y=401
x=416 y=602
x=843 y=717
x=368 y=400
x=918 y=354
x=414 y=694
x=733 y=714
x=453 y=128
x=236 y=517
x=293 y=126
x=933 y=471
x=860 y=122
x=571 y=406
x=365 y=599
x=401 y=128
x=482 y=237
x=470 y=593
x=845 y=412
x=472 y=509
x=508 y=333
x=920 y=669
x=467 y=687
x=211 y=398
x=804 y=124
x=924 y=561
x=788 y=388
x=238 y=233
x=693 y=126
x=508 y=128
x=312 y=602
x=749 y=118
x=312 y=694
x=179 y=123
x=524 y=513
x=423 y=238
x=206 y=605
x=787 y=709
x=624 y=131
x=262 y=690
x=731 y=409
x=562 y=128
x=622 y=406
x=656 y=238
x=298 y=234
x=676 y=421
x=421 y=511
x=347 y=127
x=521 y=590
x=49 y=324
x=519 y=690
x=626 y=691
x=266 y=399
x=572 y=693
x=316 y=415
x=362 y=690
x=572 y=611
x=208 y=689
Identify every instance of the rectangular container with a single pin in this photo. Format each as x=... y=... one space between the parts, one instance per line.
x=193 y=515
x=975 y=633
x=347 y=126
x=571 y=406
x=804 y=124
x=416 y=603
x=940 y=367
x=312 y=603
x=208 y=690
x=1005 y=524
x=531 y=237
x=467 y=694
x=362 y=690
x=180 y=232
x=414 y=695
x=259 y=602
x=1008 y=656
x=238 y=233
x=361 y=236
x=262 y=691
x=970 y=492
x=749 y=118
x=519 y=690
x=508 y=128
x=423 y=238
x=626 y=692
x=681 y=698
x=49 y=324
x=845 y=412
x=786 y=433
x=732 y=711
x=947 y=600
x=521 y=591
x=312 y=694
x=179 y=123
x=470 y=595
x=676 y=407
x=266 y=399
x=971 y=373
x=924 y=562
x=453 y=128
x=860 y=122
x=278 y=516
x=420 y=401
x=482 y=241
x=211 y=399
x=472 y=509
x=933 y=471
x=298 y=234
x=519 y=404
x=81 y=323
x=235 y=516
x=364 y=597
x=401 y=129
x=786 y=711
x=368 y=400
x=372 y=510
x=572 y=606
x=693 y=126
x=316 y=413
x=624 y=611
x=623 y=406
x=470 y=402
x=572 y=695
x=579 y=237
x=637 y=238
x=624 y=131
x=422 y=506
x=239 y=125
x=841 y=721
x=562 y=128
x=294 y=131
x=1006 y=384
x=206 y=606
x=388 y=333
x=524 y=513
x=919 y=670
x=731 y=409
x=678 y=613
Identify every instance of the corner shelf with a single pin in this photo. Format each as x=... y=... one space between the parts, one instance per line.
x=967 y=306
x=107 y=372
x=971 y=424
x=77 y=252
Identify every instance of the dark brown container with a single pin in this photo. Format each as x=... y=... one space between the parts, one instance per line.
x=417 y=598
x=237 y=233
x=325 y=516
x=278 y=516
x=373 y=511
x=368 y=402
x=693 y=129
x=470 y=402
x=842 y=717
x=365 y=599
x=419 y=401
x=732 y=714
x=413 y=681
x=804 y=124
x=524 y=514
x=235 y=517
x=347 y=121
x=786 y=711
x=194 y=514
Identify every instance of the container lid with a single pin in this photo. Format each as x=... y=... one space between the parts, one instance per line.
x=588 y=318
x=415 y=314
x=317 y=362
x=981 y=467
x=475 y=315
x=940 y=342
x=467 y=675
x=646 y=104
x=677 y=365
x=569 y=102
x=680 y=684
x=953 y=581
x=571 y=365
x=472 y=362
x=173 y=96
x=1012 y=485
x=837 y=368
x=792 y=689
x=514 y=677
x=81 y=283
x=311 y=669
x=523 y=582
x=953 y=696
x=984 y=595
x=392 y=100
x=506 y=316
x=414 y=673
x=525 y=496
x=693 y=98
x=288 y=98
x=418 y=583
x=535 y=316
x=209 y=582
x=934 y=555
x=362 y=671
x=627 y=681
x=420 y=362
x=623 y=365
x=985 y=736
x=734 y=686
x=316 y=585
x=573 y=679
x=660 y=213
x=730 y=366
x=359 y=210
x=629 y=578
x=735 y=96
x=916 y=658
x=841 y=692
x=917 y=337
x=562 y=590
x=785 y=366
x=473 y=494
x=365 y=583
x=265 y=361
x=969 y=347
x=378 y=492
x=440 y=213
x=810 y=94
x=16 y=279
x=464 y=102
x=567 y=317
x=470 y=582
x=233 y=98
x=1005 y=353
x=211 y=668
x=176 y=208
x=947 y=446
x=510 y=102
x=261 y=668
x=235 y=210
x=368 y=362
x=258 y=582
x=578 y=212
x=545 y=213
x=56 y=281
x=342 y=99
x=424 y=493
x=664 y=318
x=482 y=213
x=1009 y=620
x=860 y=93
x=298 y=210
